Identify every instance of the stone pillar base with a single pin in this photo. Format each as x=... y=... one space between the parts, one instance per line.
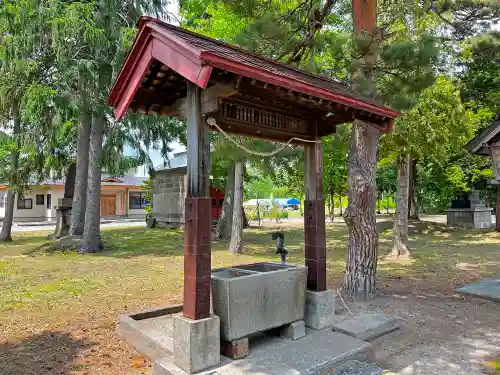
x=196 y=343
x=63 y=221
x=293 y=331
x=235 y=349
x=320 y=309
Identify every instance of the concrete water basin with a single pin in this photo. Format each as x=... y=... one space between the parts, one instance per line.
x=256 y=297
x=264 y=267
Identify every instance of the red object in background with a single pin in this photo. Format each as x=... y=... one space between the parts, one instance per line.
x=217 y=196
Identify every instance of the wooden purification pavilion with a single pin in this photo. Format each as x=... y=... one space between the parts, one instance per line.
x=174 y=72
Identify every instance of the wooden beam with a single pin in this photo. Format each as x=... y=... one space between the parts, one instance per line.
x=334 y=119
x=269 y=106
x=255 y=131
x=286 y=97
x=208 y=101
x=385 y=125
x=127 y=90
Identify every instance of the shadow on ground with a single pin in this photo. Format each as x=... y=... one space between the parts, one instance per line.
x=416 y=227
x=448 y=257
x=48 y=353
x=438 y=335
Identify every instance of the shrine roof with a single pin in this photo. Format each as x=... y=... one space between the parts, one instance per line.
x=479 y=144
x=164 y=55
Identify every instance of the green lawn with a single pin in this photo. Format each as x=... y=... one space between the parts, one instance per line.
x=76 y=298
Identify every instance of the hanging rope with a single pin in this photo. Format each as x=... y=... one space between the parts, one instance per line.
x=212 y=122
x=343 y=302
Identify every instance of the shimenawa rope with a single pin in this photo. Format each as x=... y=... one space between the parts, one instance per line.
x=212 y=122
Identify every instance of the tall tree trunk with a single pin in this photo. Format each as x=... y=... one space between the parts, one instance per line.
x=361 y=267
x=400 y=231
x=412 y=197
x=331 y=203
x=236 y=244
x=258 y=212
x=91 y=232
x=244 y=216
x=301 y=208
x=6 y=233
x=224 y=225
x=82 y=168
x=497 y=210
x=341 y=206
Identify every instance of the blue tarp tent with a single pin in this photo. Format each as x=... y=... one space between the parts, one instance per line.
x=293 y=201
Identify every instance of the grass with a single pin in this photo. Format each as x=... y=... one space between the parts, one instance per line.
x=76 y=298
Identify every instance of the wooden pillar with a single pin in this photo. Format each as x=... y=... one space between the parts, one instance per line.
x=197 y=229
x=314 y=217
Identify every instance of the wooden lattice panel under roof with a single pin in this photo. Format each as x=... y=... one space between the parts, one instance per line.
x=247 y=93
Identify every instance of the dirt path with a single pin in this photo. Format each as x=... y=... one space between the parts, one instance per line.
x=439 y=334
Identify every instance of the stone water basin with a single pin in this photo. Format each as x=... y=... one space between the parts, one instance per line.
x=256 y=297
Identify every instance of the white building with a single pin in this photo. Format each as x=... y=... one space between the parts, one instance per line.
x=120 y=197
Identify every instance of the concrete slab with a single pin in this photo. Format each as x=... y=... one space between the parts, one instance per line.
x=319 y=352
x=367 y=326
x=149 y=332
x=488 y=289
x=160 y=329
x=358 y=368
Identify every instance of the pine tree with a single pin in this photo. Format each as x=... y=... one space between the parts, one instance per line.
x=24 y=75
x=79 y=205
x=90 y=43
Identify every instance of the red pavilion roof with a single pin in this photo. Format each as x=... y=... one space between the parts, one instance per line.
x=159 y=48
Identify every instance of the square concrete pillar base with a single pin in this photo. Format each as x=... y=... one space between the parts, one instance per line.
x=320 y=309
x=196 y=343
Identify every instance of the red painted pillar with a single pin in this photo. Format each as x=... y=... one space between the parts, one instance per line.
x=197 y=229
x=314 y=217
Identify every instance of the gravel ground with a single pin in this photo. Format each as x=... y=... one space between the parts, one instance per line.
x=439 y=334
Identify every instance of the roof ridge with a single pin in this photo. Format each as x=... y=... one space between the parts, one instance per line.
x=485 y=135
x=255 y=54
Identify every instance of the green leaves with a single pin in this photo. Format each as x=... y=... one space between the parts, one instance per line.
x=480 y=79
x=438 y=125
x=335 y=155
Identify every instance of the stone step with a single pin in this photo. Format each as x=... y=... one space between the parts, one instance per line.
x=149 y=332
x=367 y=326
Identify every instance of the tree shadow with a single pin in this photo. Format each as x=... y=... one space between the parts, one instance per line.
x=135 y=242
x=416 y=227
x=27 y=240
x=48 y=353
